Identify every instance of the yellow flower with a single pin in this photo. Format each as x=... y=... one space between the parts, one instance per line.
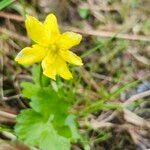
x=52 y=48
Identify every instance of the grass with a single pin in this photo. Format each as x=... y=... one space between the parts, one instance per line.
x=109 y=70
x=5 y=3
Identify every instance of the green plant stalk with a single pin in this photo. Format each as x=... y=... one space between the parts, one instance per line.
x=41 y=76
x=90 y=51
x=101 y=105
x=23 y=3
x=5 y=3
x=49 y=111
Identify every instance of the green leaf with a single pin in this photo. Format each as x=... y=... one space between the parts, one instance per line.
x=47 y=106
x=29 y=126
x=5 y=3
x=123 y=88
x=33 y=130
x=38 y=77
x=83 y=13
x=29 y=89
x=70 y=121
x=50 y=139
x=85 y=143
x=45 y=81
x=48 y=102
x=36 y=74
x=64 y=131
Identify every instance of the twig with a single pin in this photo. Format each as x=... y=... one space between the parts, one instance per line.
x=134 y=135
x=110 y=117
x=138 y=57
x=128 y=101
x=11 y=16
x=101 y=76
x=11 y=97
x=100 y=124
x=136 y=97
x=9 y=135
x=7 y=115
x=96 y=124
x=135 y=119
x=111 y=34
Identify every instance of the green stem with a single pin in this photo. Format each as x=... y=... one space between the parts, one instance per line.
x=41 y=74
x=101 y=105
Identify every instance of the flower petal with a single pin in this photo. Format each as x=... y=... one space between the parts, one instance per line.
x=31 y=55
x=68 y=40
x=63 y=70
x=48 y=65
x=36 y=31
x=51 y=26
x=49 y=70
x=71 y=57
x=58 y=66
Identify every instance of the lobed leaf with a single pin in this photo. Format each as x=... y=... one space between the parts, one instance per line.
x=33 y=130
x=48 y=123
x=29 y=89
x=48 y=102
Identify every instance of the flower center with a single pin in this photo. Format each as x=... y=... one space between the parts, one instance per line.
x=53 y=48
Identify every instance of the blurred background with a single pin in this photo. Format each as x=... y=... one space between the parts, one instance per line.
x=116 y=54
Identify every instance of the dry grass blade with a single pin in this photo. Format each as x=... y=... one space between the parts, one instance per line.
x=96 y=124
x=136 y=120
x=11 y=97
x=107 y=34
x=10 y=146
x=7 y=115
x=137 y=97
x=11 y=16
x=128 y=101
x=138 y=57
x=115 y=51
